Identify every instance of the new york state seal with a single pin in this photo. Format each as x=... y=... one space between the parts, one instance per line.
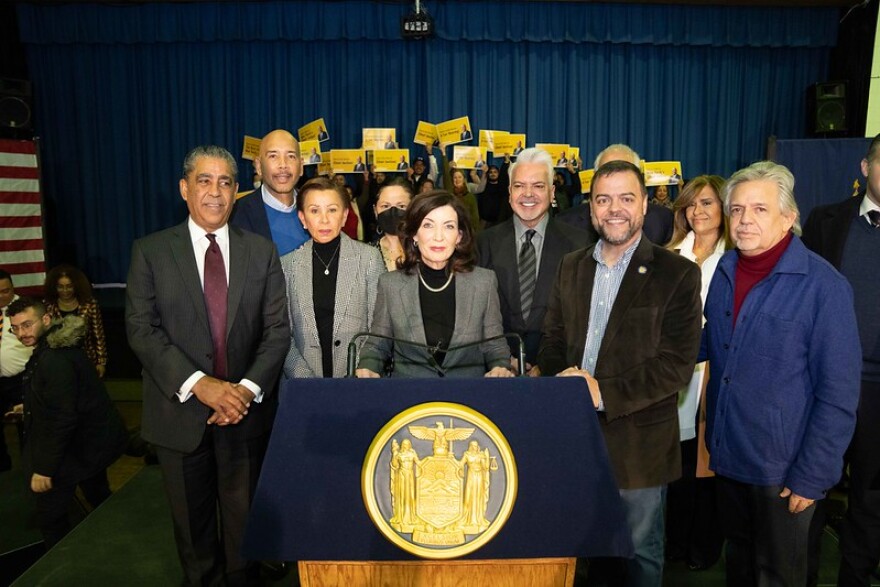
x=439 y=480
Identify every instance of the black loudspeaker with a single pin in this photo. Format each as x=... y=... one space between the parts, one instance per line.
x=826 y=108
x=15 y=105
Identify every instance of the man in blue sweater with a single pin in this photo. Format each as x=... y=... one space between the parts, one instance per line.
x=785 y=359
x=271 y=210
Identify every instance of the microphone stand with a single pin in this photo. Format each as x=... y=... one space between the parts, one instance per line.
x=431 y=349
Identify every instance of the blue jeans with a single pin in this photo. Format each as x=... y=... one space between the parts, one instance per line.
x=644 y=515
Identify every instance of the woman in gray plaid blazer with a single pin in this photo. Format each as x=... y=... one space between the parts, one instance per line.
x=331 y=285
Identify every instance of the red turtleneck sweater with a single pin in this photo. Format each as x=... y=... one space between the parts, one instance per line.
x=751 y=270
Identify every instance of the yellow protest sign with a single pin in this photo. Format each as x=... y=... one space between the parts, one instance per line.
x=348 y=161
x=509 y=144
x=469 y=157
x=426 y=134
x=250 y=149
x=314 y=131
x=457 y=130
x=586 y=178
x=387 y=160
x=311 y=152
x=379 y=138
x=663 y=173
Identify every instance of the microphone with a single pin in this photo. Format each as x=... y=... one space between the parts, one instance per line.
x=431 y=349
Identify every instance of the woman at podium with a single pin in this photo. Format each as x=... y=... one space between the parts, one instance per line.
x=439 y=308
x=331 y=285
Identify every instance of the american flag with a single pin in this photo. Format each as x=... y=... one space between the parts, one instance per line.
x=22 y=251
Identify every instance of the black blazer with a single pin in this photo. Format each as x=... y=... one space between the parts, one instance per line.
x=249 y=213
x=828 y=226
x=658 y=222
x=168 y=330
x=498 y=250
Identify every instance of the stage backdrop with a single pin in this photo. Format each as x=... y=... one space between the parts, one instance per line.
x=123 y=91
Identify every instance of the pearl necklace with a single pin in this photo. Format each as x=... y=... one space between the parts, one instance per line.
x=437 y=289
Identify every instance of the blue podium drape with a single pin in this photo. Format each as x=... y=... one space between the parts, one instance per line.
x=308 y=503
x=123 y=91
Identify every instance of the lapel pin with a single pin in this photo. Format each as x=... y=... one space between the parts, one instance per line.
x=642 y=269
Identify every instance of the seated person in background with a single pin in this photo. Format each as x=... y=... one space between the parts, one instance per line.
x=331 y=285
x=438 y=299
x=72 y=431
x=68 y=291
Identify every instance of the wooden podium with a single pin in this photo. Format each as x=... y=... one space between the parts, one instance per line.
x=309 y=505
x=550 y=572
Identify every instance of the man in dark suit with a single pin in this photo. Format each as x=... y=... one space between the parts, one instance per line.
x=402 y=164
x=72 y=431
x=846 y=234
x=322 y=134
x=206 y=315
x=359 y=165
x=625 y=315
x=504 y=249
x=270 y=211
x=658 y=219
x=465 y=134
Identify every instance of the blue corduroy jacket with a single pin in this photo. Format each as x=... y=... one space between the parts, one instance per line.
x=784 y=383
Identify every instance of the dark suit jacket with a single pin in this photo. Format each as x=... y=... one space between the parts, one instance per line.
x=249 y=213
x=168 y=330
x=658 y=222
x=499 y=251
x=827 y=228
x=647 y=354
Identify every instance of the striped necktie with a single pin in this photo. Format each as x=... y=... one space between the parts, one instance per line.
x=527 y=264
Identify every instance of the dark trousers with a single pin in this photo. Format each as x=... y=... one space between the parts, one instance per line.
x=210 y=492
x=53 y=506
x=693 y=530
x=10 y=394
x=860 y=530
x=766 y=544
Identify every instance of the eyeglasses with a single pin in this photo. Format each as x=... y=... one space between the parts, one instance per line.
x=21 y=327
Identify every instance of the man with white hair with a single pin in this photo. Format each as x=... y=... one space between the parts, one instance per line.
x=658 y=219
x=525 y=250
x=782 y=342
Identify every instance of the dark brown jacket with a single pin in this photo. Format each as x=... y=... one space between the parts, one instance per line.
x=647 y=354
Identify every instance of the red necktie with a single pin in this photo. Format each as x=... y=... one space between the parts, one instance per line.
x=215 y=303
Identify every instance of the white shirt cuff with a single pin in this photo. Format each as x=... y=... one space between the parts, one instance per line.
x=185 y=391
x=258 y=393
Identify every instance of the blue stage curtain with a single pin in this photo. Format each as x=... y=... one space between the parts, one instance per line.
x=122 y=92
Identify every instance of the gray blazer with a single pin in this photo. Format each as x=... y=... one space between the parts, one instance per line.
x=398 y=314
x=360 y=266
